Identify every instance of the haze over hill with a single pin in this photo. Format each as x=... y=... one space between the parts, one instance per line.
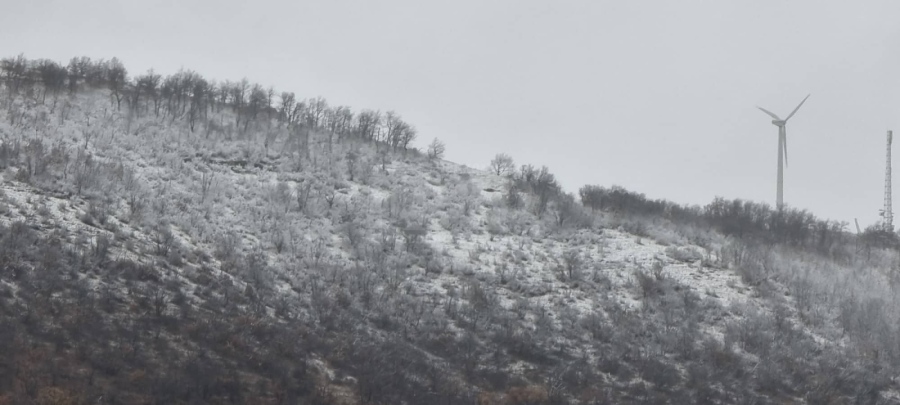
x=169 y=239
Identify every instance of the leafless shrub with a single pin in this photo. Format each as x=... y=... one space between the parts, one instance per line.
x=354 y=232
x=654 y=283
x=302 y=194
x=456 y=221
x=353 y=161
x=365 y=169
x=658 y=372
x=399 y=202
x=684 y=253
x=96 y=214
x=84 y=172
x=227 y=246
x=100 y=249
x=573 y=260
x=277 y=237
x=512 y=198
x=316 y=253
x=413 y=234
x=207 y=182
x=329 y=195
x=163 y=238
x=388 y=239
x=505 y=273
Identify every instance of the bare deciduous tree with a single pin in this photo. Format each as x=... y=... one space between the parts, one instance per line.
x=352 y=162
x=542 y=184
x=53 y=76
x=591 y=196
x=302 y=195
x=408 y=133
x=572 y=263
x=512 y=198
x=316 y=111
x=14 y=69
x=436 y=149
x=280 y=197
x=163 y=238
x=502 y=164
x=286 y=108
x=207 y=181
x=368 y=123
x=567 y=210
x=116 y=79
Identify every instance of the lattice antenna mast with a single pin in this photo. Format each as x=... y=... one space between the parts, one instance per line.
x=888 y=211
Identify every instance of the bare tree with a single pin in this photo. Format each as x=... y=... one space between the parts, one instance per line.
x=238 y=92
x=316 y=111
x=163 y=238
x=302 y=195
x=345 y=118
x=502 y=164
x=567 y=210
x=148 y=84
x=85 y=171
x=436 y=149
x=407 y=134
x=368 y=123
x=15 y=70
x=255 y=104
x=392 y=122
x=270 y=99
x=511 y=197
x=412 y=237
x=286 y=108
x=591 y=196
x=542 y=184
x=329 y=195
x=199 y=107
x=116 y=79
x=352 y=162
x=53 y=76
x=281 y=196
x=207 y=181
x=77 y=69
x=573 y=260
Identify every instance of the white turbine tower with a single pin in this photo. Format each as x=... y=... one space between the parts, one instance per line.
x=782 y=148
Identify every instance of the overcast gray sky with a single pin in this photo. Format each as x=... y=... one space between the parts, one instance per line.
x=656 y=96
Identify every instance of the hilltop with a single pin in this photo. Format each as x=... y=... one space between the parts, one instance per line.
x=174 y=240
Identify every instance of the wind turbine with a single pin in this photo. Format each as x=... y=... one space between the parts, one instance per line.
x=782 y=148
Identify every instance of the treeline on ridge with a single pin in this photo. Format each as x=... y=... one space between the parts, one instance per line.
x=748 y=220
x=188 y=95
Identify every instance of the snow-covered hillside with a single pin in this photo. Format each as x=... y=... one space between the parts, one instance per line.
x=305 y=263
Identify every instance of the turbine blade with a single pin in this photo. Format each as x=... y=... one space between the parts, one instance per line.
x=798 y=107
x=771 y=114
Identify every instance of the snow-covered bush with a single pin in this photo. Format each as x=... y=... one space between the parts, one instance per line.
x=684 y=253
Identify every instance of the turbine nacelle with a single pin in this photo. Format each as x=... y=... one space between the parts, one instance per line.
x=779 y=123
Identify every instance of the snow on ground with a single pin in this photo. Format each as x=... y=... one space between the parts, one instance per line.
x=473 y=236
x=521 y=265
x=526 y=267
